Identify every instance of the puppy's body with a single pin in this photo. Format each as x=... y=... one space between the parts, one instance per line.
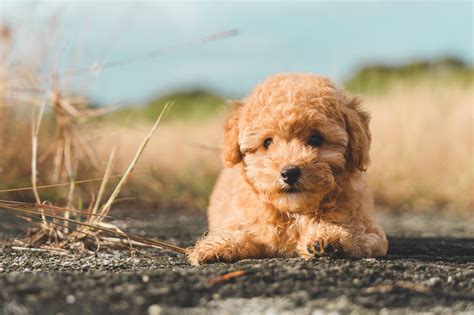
x=296 y=150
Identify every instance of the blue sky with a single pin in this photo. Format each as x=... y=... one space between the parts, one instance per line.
x=331 y=38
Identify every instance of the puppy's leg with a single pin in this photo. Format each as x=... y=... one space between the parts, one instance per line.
x=228 y=246
x=330 y=239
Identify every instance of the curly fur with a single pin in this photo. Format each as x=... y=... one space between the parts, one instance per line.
x=251 y=212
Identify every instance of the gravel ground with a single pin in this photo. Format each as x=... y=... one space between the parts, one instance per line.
x=429 y=268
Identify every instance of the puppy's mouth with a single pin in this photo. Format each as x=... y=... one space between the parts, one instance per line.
x=291 y=190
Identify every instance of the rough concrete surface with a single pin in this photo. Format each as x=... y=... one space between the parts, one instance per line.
x=429 y=269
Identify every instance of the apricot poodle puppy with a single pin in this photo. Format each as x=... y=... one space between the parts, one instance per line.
x=296 y=151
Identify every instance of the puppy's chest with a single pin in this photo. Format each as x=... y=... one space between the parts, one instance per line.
x=281 y=232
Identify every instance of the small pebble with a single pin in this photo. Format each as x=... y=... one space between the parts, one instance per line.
x=154 y=309
x=434 y=281
x=70 y=299
x=145 y=278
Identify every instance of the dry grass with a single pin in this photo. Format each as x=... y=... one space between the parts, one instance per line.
x=422 y=154
x=179 y=167
x=72 y=228
x=64 y=222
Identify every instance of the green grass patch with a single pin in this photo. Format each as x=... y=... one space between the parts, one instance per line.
x=188 y=105
x=379 y=78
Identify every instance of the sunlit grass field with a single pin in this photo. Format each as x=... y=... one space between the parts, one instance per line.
x=422 y=151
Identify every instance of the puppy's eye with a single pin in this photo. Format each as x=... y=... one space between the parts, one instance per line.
x=267 y=142
x=316 y=140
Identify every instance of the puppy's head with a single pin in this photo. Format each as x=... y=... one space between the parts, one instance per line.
x=294 y=136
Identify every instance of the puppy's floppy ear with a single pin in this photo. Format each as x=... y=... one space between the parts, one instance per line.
x=357 y=127
x=232 y=154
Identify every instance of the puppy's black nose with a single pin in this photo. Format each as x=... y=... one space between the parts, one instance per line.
x=290 y=174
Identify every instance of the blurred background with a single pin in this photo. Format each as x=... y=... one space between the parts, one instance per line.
x=103 y=71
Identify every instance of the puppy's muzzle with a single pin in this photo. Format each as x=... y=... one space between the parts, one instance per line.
x=290 y=174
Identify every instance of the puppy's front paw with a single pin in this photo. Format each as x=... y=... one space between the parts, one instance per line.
x=325 y=240
x=321 y=248
x=198 y=255
x=211 y=249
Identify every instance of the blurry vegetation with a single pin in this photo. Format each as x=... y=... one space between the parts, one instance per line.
x=421 y=154
x=174 y=188
x=379 y=78
x=201 y=104
x=188 y=105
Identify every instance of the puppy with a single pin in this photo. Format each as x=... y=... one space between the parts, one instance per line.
x=296 y=151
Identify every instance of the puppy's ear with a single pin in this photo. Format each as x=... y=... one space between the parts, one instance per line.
x=357 y=127
x=232 y=154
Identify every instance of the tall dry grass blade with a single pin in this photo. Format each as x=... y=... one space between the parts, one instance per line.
x=71 y=176
x=58 y=160
x=104 y=183
x=70 y=198
x=134 y=161
x=83 y=181
x=34 y=144
x=46 y=207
